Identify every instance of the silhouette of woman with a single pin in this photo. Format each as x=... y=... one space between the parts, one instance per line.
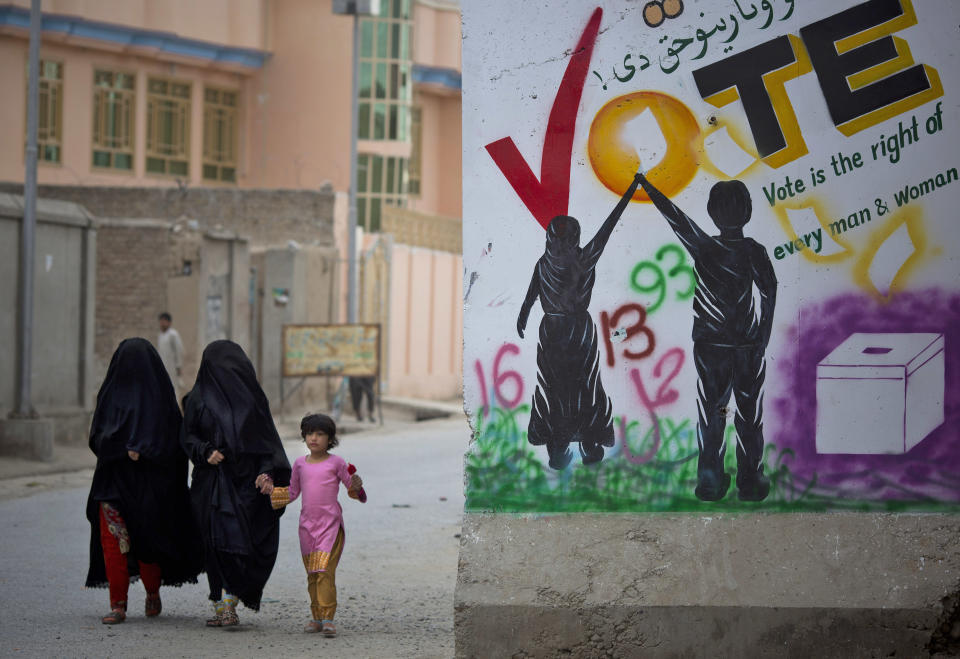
x=569 y=404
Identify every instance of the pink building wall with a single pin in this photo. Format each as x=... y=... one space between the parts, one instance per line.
x=241 y=23
x=76 y=167
x=300 y=102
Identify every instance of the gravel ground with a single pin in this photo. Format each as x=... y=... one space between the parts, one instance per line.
x=395 y=580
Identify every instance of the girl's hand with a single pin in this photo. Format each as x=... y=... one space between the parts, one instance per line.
x=355 y=482
x=133 y=455
x=216 y=457
x=264 y=483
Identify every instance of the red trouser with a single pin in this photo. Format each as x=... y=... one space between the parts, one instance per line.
x=116 y=566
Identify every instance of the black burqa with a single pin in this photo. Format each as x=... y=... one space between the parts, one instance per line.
x=570 y=404
x=137 y=411
x=227 y=411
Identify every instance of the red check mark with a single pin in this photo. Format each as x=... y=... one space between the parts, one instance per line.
x=550 y=195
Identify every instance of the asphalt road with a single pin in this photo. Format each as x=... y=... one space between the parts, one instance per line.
x=395 y=580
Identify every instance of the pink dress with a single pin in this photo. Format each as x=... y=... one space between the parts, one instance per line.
x=321 y=517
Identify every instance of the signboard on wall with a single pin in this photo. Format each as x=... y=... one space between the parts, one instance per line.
x=348 y=350
x=711 y=255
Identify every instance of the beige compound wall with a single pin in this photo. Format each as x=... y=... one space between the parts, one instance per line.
x=426 y=324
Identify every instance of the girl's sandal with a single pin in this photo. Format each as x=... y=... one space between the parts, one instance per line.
x=329 y=629
x=115 y=617
x=312 y=627
x=152 y=606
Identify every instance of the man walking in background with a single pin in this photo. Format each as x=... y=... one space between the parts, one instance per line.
x=360 y=386
x=170 y=348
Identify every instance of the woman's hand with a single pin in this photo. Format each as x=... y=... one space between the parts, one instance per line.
x=264 y=483
x=133 y=455
x=215 y=457
x=355 y=482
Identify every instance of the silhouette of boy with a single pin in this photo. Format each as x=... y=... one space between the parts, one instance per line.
x=729 y=339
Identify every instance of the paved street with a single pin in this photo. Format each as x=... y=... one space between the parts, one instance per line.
x=395 y=580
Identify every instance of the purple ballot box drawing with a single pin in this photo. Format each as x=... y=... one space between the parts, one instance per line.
x=899 y=378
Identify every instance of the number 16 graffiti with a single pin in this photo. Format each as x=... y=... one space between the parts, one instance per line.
x=500 y=378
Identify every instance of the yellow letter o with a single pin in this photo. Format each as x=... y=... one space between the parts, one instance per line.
x=615 y=160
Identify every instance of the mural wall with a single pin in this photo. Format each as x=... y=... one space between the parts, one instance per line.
x=710 y=255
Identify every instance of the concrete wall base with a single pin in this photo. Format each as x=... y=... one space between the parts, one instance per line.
x=799 y=585
x=71 y=427
x=27 y=438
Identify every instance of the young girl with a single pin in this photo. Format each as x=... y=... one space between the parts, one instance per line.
x=139 y=508
x=230 y=436
x=318 y=477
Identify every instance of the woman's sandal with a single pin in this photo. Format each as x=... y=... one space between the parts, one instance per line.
x=216 y=620
x=115 y=617
x=229 y=618
x=152 y=606
x=329 y=629
x=312 y=627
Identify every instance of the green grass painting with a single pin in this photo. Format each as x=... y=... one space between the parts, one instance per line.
x=505 y=474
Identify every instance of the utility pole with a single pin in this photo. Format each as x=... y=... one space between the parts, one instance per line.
x=28 y=226
x=352 y=279
x=355 y=9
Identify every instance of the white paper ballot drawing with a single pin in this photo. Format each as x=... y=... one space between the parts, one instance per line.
x=643 y=131
x=725 y=154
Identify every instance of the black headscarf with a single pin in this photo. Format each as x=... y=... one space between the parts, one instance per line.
x=136 y=407
x=227 y=411
x=227 y=388
x=137 y=411
x=563 y=236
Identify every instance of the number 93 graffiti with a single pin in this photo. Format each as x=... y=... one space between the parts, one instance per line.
x=679 y=273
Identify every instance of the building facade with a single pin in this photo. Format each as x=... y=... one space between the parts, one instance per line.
x=242 y=95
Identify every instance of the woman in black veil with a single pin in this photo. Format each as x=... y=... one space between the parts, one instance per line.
x=569 y=404
x=139 y=508
x=229 y=434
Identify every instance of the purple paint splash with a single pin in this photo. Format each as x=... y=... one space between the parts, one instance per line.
x=928 y=472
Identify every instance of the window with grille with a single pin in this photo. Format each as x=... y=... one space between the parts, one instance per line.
x=416 y=152
x=49 y=111
x=220 y=135
x=113 y=111
x=385 y=85
x=168 y=127
x=380 y=180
